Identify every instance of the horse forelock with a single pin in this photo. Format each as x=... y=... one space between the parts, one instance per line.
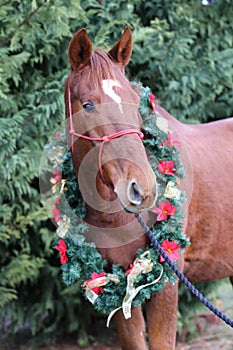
x=102 y=66
x=99 y=68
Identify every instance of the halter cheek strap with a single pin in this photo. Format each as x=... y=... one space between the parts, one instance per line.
x=103 y=139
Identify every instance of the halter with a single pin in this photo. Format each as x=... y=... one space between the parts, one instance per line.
x=103 y=139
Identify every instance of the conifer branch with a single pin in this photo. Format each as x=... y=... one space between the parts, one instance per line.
x=24 y=21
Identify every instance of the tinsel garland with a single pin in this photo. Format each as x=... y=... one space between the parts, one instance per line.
x=80 y=260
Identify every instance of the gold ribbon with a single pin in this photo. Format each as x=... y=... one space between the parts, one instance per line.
x=143 y=264
x=63 y=226
x=98 y=282
x=57 y=185
x=172 y=191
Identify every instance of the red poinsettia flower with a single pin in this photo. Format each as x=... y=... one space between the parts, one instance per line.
x=152 y=102
x=61 y=247
x=170 y=248
x=94 y=276
x=131 y=266
x=167 y=167
x=164 y=210
x=56 y=212
x=172 y=140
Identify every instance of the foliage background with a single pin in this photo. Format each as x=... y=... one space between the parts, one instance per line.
x=182 y=50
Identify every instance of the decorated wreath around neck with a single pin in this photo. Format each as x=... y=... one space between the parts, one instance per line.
x=81 y=262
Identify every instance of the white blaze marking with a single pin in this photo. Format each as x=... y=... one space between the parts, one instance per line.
x=107 y=85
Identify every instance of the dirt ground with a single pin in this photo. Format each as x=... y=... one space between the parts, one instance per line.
x=211 y=332
x=215 y=336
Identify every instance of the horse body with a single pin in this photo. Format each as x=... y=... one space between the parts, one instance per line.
x=209 y=222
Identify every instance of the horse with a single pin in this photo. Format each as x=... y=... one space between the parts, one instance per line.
x=97 y=79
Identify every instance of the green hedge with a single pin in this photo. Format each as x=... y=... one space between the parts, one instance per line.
x=182 y=50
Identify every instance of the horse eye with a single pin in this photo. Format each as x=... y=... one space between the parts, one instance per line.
x=89 y=107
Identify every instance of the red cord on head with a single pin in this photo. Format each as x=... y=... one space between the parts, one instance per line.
x=103 y=139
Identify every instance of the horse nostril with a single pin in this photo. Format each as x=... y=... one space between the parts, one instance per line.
x=134 y=193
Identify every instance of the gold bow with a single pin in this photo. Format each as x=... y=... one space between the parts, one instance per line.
x=98 y=282
x=143 y=264
x=63 y=226
x=172 y=191
x=56 y=186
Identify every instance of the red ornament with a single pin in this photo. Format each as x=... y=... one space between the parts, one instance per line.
x=56 y=212
x=131 y=266
x=61 y=247
x=152 y=102
x=57 y=177
x=94 y=276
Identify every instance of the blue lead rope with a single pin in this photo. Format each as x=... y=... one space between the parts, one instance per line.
x=179 y=274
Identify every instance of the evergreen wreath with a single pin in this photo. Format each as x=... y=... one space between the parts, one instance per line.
x=81 y=261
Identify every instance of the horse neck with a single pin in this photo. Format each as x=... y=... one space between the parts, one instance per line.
x=100 y=219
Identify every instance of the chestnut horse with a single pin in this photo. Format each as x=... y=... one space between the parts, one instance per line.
x=97 y=79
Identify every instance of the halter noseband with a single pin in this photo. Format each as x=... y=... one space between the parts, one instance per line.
x=103 y=139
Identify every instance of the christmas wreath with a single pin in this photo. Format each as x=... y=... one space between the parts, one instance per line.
x=81 y=261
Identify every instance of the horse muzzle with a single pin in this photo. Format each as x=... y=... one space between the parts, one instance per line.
x=134 y=196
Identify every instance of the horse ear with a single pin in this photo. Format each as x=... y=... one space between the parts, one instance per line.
x=79 y=51
x=122 y=50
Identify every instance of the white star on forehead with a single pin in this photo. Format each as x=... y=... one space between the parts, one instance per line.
x=107 y=85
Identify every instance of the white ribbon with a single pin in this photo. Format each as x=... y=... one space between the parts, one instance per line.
x=141 y=265
x=172 y=191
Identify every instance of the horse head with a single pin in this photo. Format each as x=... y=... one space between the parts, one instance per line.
x=104 y=125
